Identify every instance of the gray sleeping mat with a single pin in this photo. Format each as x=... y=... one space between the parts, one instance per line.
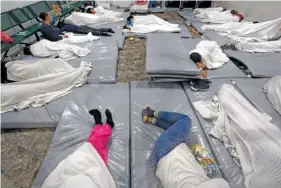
x=168 y=56
x=27 y=118
x=259 y=64
x=185 y=14
x=103 y=70
x=76 y=124
x=117 y=27
x=105 y=47
x=230 y=171
x=253 y=90
x=213 y=36
x=165 y=97
x=184 y=32
x=228 y=70
x=157 y=10
x=197 y=25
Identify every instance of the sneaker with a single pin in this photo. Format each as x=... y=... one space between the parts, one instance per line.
x=200 y=85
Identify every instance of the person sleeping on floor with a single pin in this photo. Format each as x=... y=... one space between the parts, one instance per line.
x=177 y=166
x=87 y=166
x=206 y=55
x=220 y=17
x=53 y=33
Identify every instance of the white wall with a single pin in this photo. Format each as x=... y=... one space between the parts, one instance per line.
x=254 y=10
x=9 y=5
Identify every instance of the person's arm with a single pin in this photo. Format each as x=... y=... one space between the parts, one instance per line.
x=51 y=34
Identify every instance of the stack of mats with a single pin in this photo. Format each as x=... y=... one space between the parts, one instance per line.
x=76 y=123
x=166 y=97
x=167 y=60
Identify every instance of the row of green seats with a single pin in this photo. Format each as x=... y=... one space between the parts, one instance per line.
x=17 y=17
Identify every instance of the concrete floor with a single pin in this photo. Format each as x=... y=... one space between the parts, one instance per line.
x=23 y=150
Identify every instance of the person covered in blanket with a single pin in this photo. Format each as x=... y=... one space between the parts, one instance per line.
x=53 y=33
x=237 y=14
x=177 y=166
x=87 y=166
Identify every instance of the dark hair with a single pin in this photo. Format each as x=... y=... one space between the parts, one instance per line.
x=130 y=17
x=234 y=12
x=223 y=9
x=43 y=15
x=26 y=51
x=89 y=10
x=195 y=57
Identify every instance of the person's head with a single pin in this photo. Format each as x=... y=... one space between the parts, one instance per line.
x=26 y=51
x=130 y=18
x=90 y=10
x=45 y=16
x=234 y=12
x=197 y=59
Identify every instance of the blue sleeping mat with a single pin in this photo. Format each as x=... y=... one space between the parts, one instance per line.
x=230 y=171
x=75 y=125
x=165 y=97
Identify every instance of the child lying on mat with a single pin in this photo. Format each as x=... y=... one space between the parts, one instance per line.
x=176 y=165
x=87 y=166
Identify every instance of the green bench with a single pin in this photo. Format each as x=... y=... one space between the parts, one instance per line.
x=11 y=19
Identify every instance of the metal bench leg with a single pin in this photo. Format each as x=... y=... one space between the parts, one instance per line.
x=4 y=56
x=37 y=36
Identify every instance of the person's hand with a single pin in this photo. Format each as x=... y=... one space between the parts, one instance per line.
x=203 y=74
x=65 y=36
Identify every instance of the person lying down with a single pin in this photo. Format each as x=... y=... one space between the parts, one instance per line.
x=45 y=48
x=149 y=24
x=252 y=140
x=98 y=18
x=220 y=17
x=177 y=166
x=249 y=31
x=40 y=82
x=86 y=167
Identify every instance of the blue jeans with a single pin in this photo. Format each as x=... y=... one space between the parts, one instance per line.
x=177 y=127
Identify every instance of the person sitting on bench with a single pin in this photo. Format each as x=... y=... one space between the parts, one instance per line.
x=236 y=13
x=53 y=33
x=177 y=166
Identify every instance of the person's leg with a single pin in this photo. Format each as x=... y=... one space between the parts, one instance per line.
x=97 y=31
x=170 y=117
x=161 y=119
x=171 y=138
x=109 y=119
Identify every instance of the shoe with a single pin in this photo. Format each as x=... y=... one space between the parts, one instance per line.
x=200 y=85
x=106 y=34
x=111 y=31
